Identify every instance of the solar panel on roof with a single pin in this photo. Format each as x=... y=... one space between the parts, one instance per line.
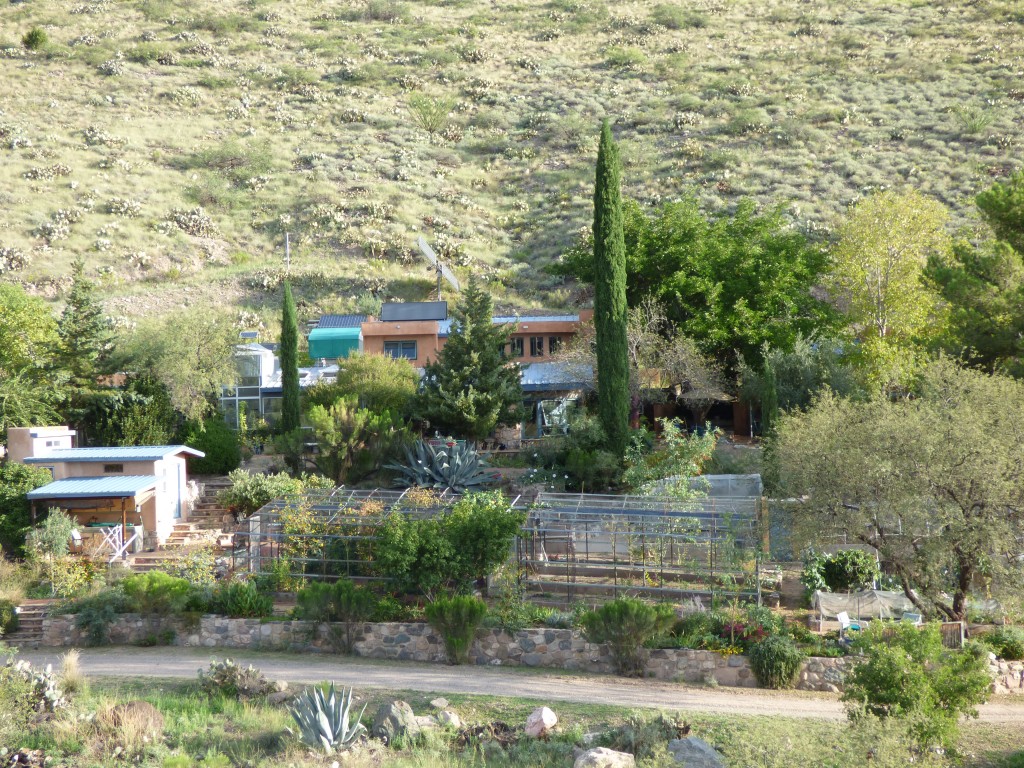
x=414 y=310
x=249 y=335
x=341 y=321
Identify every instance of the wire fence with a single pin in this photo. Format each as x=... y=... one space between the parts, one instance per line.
x=571 y=546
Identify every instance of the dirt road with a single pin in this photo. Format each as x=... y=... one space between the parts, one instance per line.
x=488 y=681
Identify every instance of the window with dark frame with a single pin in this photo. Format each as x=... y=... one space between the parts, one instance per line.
x=516 y=347
x=554 y=343
x=113 y=468
x=536 y=346
x=400 y=349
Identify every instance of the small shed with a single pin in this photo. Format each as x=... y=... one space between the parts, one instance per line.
x=336 y=337
x=114 y=512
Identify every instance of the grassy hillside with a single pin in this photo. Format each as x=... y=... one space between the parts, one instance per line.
x=357 y=125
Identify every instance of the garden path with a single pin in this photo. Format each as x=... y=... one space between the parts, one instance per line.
x=518 y=682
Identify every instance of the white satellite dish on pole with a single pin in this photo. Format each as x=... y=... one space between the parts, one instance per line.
x=441 y=269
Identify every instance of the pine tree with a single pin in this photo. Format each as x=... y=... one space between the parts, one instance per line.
x=291 y=413
x=471 y=388
x=610 y=310
x=83 y=338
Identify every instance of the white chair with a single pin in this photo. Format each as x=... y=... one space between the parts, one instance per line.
x=845 y=624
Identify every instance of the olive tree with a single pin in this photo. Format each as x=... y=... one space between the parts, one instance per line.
x=935 y=484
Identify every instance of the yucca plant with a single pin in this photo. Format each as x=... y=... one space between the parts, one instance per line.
x=453 y=467
x=323 y=719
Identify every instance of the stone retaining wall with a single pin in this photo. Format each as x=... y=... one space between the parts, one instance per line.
x=539 y=647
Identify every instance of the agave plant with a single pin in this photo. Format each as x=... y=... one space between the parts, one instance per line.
x=323 y=719
x=452 y=466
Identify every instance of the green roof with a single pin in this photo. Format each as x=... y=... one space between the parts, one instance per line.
x=334 y=342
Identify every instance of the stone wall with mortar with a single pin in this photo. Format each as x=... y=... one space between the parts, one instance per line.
x=563 y=649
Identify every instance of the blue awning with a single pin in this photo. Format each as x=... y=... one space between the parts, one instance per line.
x=114 y=454
x=111 y=487
x=556 y=376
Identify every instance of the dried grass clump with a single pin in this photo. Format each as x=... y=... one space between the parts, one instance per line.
x=130 y=728
x=72 y=678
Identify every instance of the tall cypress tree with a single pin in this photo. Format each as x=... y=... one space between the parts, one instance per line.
x=610 y=310
x=291 y=413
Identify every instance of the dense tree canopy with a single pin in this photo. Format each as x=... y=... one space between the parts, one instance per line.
x=378 y=381
x=936 y=483
x=471 y=388
x=731 y=282
x=1002 y=207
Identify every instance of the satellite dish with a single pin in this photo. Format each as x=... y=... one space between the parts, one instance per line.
x=441 y=269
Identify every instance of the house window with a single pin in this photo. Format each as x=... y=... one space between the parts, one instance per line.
x=110 y=469
x=516 y=347
x=398 y=349
x=536 y=346
x=554 y=343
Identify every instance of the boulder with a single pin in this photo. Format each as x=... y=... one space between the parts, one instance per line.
x=695 y=753
x=540 y=722
x=439 y=703
x=602 y=757
x=448 y=718
x=395 y=720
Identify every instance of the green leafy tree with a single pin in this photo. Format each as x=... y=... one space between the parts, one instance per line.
x=935 y=484
x=380 y=382
x=291 y=406
x=610 y=310
x=877 y=274
x=31 y=389
x=1002 y=207
x=140 y=413
x=84 y=339
x=482 y=528
x=671 y=467
x=732 y=282
x=471 y=388
x=16 y=480
x=907 y=675
x=51 y=539
x=787 y=380
x=190 y=353
x=354 y=442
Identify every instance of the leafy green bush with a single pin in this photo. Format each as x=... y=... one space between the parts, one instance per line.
x=248 y=492
x=156 y=592
x=1006 y=642
x=626 y=624
x=225 y=678
x=35 y=39
x=95 y=614
x=8 y=617
x=775 y=661
x=844 y=571
x=242 y=600
x=456 y=619
x=907 y=674
x=16 y=480
x=449 y=550
x=220 y=444
x=341 y=601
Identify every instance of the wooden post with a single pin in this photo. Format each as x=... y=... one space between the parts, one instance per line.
x=124 y=528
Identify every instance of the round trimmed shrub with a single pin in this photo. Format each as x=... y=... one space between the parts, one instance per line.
x=242 y=600
x=775 y=662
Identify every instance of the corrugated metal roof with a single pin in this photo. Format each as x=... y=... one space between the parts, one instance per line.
x=110 y=487
x=341 y=321
x=556 y=376
x=125 y=453
x=414 y=310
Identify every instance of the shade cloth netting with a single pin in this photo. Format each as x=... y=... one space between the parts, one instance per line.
x=869 y=604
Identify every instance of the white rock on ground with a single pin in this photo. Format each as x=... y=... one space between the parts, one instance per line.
x=602 y=757
x=540 y=722
x=449 y=718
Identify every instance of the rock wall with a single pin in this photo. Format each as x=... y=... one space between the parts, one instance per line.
x=547 y=648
